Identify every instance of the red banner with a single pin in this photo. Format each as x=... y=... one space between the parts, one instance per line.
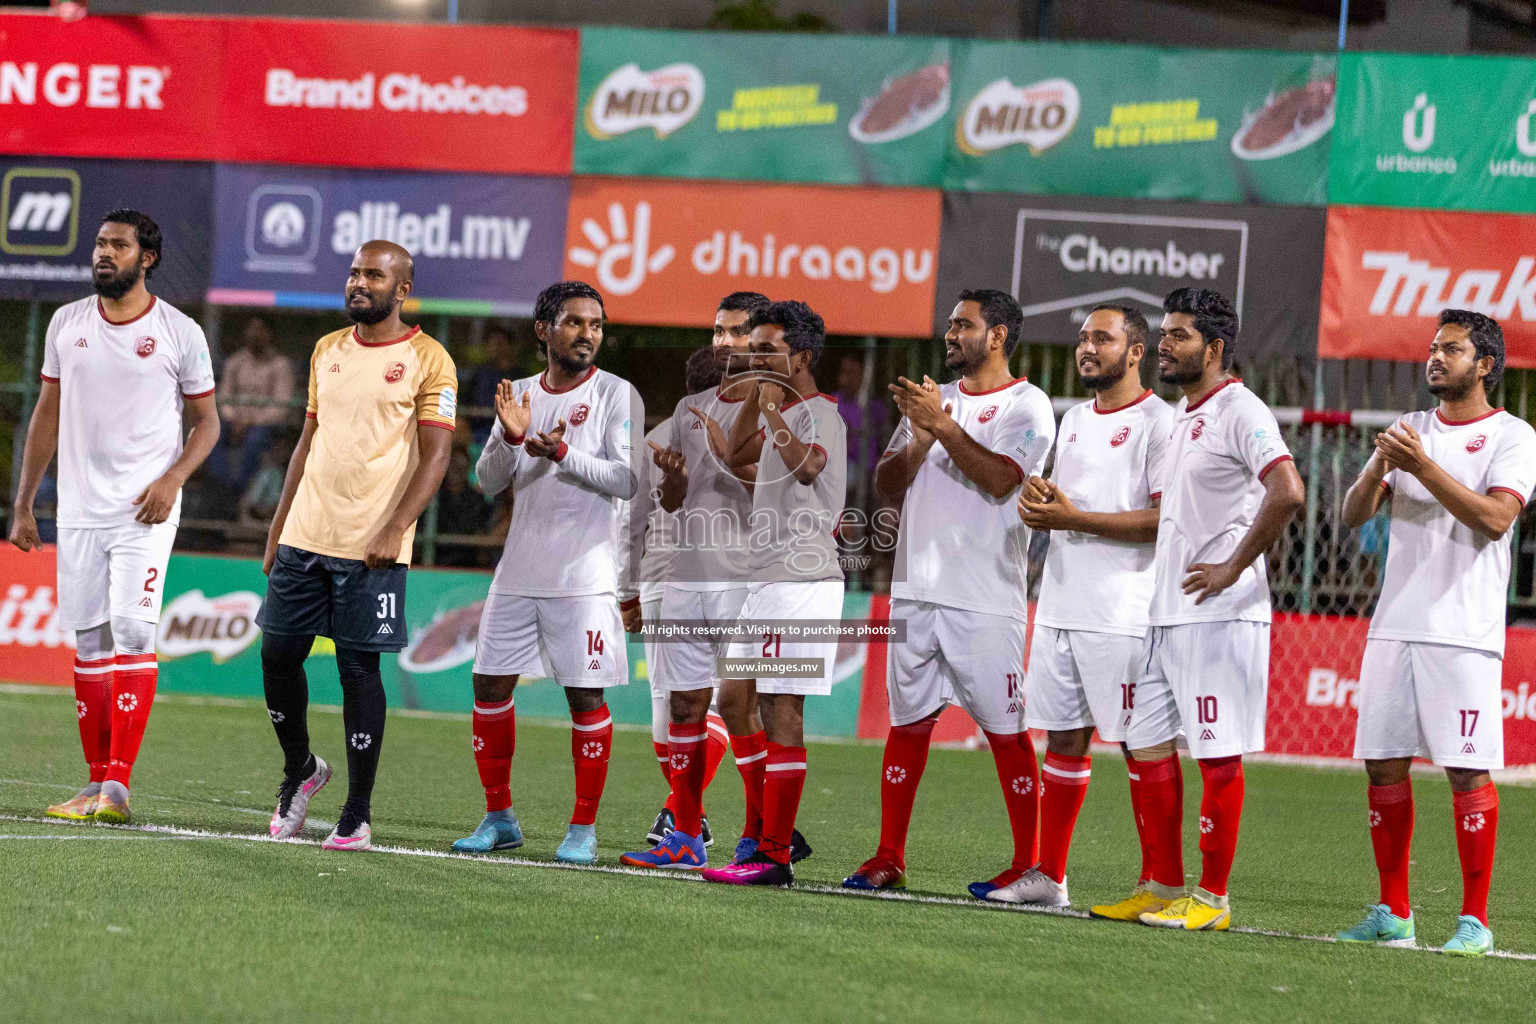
x=1387 y=273
x=33 y=649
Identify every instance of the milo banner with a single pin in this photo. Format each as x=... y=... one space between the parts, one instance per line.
x=763 y=107
x=1215 y=125
x=1444 y=133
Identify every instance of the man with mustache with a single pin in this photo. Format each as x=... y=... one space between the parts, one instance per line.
x=118 y=369
x=1454 y=478
x=567 y=442
x=378 y=431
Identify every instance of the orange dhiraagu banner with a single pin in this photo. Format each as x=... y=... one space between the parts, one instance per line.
x=665 y=252
x=1387 y=273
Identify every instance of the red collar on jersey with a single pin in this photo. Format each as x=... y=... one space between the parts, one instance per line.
x=805 y=398
x=720 y=394
x=124 y=323
x=990 y=391
x=1135 y=401
x=1461 y=423
x=381 y=344
x=569 y=387
x=1208 y=394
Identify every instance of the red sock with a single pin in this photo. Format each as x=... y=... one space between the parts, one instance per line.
x=1162 y=804
x=93 y=697
x=1391 y=818
x=686 y=744
x=1477 y=827
x=1020 y=776
x=1221 y=812
x=783 y=781
x=591 y=743
x=715 y=743
x=1062 y=788
x=133 y=693
x=1140 y=818
x=751 y=758
x=906 y=755
x=664 y=759
x=494 y=739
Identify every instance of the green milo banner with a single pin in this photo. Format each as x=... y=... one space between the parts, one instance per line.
x=209 y=643
x=1442 y=133
x=801 y=108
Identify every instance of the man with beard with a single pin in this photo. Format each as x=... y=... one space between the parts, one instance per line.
x=1101 y=506
x=1456 y=478
x=118 y=368
x=959 y=454
x=567 y=442
x=377 y=437
x=1229 y=487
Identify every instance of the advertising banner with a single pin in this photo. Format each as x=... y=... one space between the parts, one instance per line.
x=50 y=209
x=483 y=244
x=665 y=252
x=1387 y=274
x=1139 y=122
x=1393 y=148
x=808 y=108
x=1059 y=257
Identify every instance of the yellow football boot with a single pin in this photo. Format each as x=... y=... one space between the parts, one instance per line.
x=1198 y=912
x=77 y=808
x=110 y=812
x=1142 y=901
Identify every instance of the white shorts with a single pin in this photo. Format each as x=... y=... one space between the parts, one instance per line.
x=821 y=600
x=650 y=611
x=115 y=570
x=1431 y=700
x=1207 y=680
x=576 y=641
x=690 y=664
x=1079 y=679
x=954 y=656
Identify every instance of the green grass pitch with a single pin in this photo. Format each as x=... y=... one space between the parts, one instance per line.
x=128 y=925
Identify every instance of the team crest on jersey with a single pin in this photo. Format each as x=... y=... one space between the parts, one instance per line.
x=1197 y=429
x=393 y=372
x=987 y=414
x=144 y=347
x=579 y=415
x=1121 y=436
x=1476 y=444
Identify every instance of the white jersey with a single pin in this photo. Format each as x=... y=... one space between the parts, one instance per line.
x=1444 y=582
x=957 y=545
x=1105 y=462
x=792 y=531
x=712 y=524
x=121 y=390
x=1219 y=452
x=564 y=537
x=660 y=525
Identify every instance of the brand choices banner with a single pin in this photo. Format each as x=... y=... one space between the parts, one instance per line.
x=1387 y=274
x=1453 y=133
x=665 y=252
x=482 y=243
x=1059 y=257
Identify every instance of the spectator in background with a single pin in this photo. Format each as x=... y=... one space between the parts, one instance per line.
x=501 y=363
x=460 y=510
x=253 y=400
x=259 y=502
x=868 y=422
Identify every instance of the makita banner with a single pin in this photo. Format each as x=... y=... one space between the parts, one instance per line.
x=482 y=243
x=1388 y=273
x=1059 y=257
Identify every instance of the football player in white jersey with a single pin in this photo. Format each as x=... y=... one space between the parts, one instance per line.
x=1229 y=487
x=958 y=457
x=567 y=442
x=798 y=443
x=1454 y=478
x=1091 y=620
x=119 y=367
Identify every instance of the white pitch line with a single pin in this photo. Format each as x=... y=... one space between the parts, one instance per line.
x=685 y=876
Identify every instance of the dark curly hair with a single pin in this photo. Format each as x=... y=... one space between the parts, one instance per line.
x=146 y=231
x=702 y=371
x=804 y=329
x=744 y=302
x=998 y=308
x=1215 y=318
x=546 y=308
x=1487 y=338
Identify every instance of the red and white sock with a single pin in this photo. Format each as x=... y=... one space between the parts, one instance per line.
x=1391 y=819
x=1134 y=776
x=133 y=694
x=664 y=759
x=494 y=732
x=686 y=746
x=1477 y=828
x=783 y=782
x=93 y=706
x=906 y=755
x=591 y=744
x=751 y=759
x=1062 y=788
x=1019 y=774
x=716 y=742
x=1162 y=806
x=1221 y=814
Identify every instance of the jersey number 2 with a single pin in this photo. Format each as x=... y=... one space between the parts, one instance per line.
x=154 y=574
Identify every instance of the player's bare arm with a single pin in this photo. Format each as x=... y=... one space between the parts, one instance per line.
x=745 y=446
x=1491 y=515
x=157 y=500
x=808 y=461
x=988 y=470
x=1365 y=496
x=291 y=480
x=1284 y=494
x=42 y=442
x=435 y=445
x=674 y=475
x=1044 y=506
